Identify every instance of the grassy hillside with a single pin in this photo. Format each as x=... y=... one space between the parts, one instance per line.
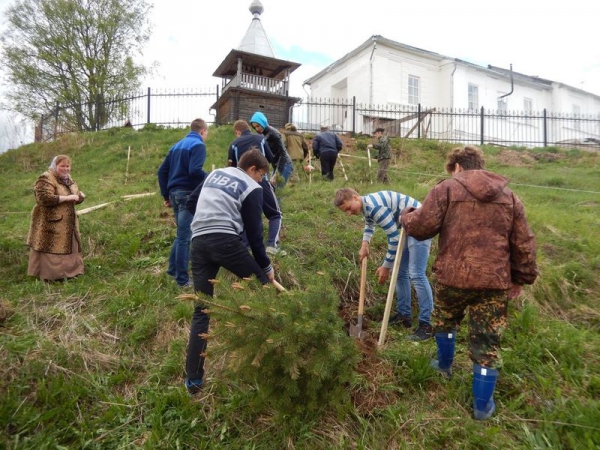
x=97 y=362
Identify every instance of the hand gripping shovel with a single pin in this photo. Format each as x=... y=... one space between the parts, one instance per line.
x=390 y=296
x=356 y=330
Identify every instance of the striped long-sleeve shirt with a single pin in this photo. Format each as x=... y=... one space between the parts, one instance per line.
x=383 y=209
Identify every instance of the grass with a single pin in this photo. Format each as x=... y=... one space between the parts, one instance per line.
x=97 y=362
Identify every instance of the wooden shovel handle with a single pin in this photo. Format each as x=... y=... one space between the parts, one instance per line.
x=390 y=296
x=279 y=287
x=363 y=286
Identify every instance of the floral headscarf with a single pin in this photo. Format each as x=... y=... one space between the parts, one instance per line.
x=67 y=181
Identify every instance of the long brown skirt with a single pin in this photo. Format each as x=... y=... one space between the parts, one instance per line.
x=52 y=267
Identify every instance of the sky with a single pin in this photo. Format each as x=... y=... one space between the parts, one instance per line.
x=552 y=39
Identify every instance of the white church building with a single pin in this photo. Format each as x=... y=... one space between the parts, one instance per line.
x=390 y=76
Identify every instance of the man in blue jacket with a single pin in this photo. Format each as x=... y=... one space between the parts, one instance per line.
x=326 y=147
x=179 y=174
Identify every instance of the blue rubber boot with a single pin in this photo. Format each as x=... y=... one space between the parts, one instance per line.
x=484 y=383
x=446 y=342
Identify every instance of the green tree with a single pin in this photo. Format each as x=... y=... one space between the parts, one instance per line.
x=76 y=53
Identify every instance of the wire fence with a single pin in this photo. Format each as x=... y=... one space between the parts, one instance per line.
x=178 y=107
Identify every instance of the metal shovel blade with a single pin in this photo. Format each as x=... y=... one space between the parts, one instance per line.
x=356 y=330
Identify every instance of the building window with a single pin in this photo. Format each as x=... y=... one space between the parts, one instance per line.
x=413 y=90
x=527 y=105
x=501 y=103
x=473 y=96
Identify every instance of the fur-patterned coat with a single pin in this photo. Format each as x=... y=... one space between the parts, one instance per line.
x=53 y=223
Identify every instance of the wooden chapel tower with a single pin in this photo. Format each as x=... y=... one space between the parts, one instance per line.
x=253 y=79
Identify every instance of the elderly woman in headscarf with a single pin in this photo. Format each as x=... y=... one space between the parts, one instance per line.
x=54 y=240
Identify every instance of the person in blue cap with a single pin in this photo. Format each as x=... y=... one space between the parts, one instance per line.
x=282 y=163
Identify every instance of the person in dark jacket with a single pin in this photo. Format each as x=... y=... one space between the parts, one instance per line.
x=282 y=163
x=229 y=202
x=487 y=252
x=245 y=141
x=179 y=174
x=326 y=146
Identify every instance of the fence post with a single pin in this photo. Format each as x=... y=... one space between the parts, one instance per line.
x=419 y=121
x=353 y=115
x=217 y=115
x=56 y=120
x=482 y=127
x=39 y=131
x=97 y=112
x=545 y=128
x=148 y=110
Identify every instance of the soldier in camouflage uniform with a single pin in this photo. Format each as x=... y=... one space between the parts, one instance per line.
x=486 y=255
x=383 y=155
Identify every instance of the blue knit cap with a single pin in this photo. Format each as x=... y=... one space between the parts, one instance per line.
x=260 y=119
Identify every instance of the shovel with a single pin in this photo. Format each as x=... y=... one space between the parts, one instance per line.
x=356 y=330
x=390 y=296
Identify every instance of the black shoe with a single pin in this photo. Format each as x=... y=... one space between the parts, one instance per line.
x=423 y=332
x=398 y=318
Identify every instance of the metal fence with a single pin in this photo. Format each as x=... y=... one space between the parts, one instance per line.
x=481 y=126
x=178 y=107
x=167 y=107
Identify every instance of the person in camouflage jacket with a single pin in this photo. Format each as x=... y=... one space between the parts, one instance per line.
x=383 y=154
x=487 y=252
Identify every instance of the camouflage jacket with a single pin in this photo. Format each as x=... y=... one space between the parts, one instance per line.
x=383 y=148
x=485 y=241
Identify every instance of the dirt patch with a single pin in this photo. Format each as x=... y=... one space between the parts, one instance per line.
x=515 y=159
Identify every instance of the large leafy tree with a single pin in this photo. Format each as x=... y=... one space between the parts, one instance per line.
x=75 y=53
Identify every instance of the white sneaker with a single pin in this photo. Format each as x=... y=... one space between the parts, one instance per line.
x=275 y=251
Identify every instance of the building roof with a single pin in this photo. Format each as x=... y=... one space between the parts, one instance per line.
x=256 y=40
x=269 y=67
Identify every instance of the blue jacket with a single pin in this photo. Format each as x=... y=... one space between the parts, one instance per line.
x=245 y=142
x=182 y=168
x=326 y=141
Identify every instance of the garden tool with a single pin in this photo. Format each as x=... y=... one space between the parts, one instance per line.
x=343 y=170
x=356 y=330
x=390 y=296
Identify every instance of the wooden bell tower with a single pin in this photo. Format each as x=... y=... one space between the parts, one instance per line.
x=253 y=79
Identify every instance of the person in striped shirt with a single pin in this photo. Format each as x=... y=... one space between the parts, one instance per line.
x=383 y=209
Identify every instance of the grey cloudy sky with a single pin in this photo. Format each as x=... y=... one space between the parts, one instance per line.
x=552 y=39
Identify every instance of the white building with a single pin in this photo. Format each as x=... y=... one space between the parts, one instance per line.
x=387 y=73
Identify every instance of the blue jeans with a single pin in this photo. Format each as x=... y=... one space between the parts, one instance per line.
x=412 y=269
x=287 y=170
x=180 y=252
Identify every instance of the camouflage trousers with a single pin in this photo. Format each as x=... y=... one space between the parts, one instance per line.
x=487 y=311
x=382 y=170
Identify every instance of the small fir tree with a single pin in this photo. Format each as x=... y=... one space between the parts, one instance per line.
x=291 y=346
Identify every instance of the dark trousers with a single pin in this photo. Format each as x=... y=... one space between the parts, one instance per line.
x=328 y=160
x=209 y=253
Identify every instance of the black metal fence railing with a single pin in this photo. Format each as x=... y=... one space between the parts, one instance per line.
x=168 y=107
x=479 y=126
x=178 y=107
